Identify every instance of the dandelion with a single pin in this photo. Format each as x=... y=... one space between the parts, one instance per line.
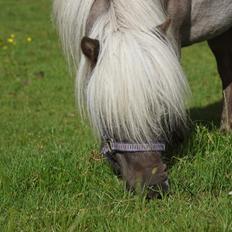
x=10 y=40
x=29 y=39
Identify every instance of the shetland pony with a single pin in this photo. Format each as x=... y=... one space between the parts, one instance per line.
x=130 y=83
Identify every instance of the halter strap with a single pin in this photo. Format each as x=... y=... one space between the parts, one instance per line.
x=111 y=147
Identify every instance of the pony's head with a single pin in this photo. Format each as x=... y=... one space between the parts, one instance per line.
x=129 y=80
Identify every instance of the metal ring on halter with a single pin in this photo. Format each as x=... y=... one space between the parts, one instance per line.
x=112 y=147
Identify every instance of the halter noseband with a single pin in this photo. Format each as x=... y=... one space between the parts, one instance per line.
x=111 y=147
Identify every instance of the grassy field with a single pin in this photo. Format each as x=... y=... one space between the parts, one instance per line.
x=51 y=176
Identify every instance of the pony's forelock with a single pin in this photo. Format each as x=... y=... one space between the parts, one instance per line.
x=137 y=90
x=70 y=17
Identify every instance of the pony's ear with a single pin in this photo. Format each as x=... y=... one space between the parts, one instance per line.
x=90 y=48
x=164 y=26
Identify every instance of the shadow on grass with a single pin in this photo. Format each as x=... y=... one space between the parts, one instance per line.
x=207 y=116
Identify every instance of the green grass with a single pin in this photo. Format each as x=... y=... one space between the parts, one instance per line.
x=51 y=176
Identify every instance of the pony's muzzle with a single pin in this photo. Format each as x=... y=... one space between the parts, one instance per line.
x=143 y=173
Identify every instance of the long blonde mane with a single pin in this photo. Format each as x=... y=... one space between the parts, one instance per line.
x=137 y=90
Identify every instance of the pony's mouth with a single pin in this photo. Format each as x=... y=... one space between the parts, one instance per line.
x=142 y=172
x=158 y=191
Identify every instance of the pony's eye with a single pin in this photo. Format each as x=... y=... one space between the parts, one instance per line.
x=90 y=48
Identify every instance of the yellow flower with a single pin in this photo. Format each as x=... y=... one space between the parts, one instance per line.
x=10 y=40
x=12 y=36
x=29 y=39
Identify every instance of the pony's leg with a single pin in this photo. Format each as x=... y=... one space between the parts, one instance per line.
x=221 y=47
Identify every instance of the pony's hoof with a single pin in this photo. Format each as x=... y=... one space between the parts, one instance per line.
x=226 y=128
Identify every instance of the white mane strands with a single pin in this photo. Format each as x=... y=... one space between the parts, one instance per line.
x=137 y=90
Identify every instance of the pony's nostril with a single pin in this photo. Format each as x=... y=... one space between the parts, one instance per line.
x=165 y=167
x=166 y=182
x=165 y=186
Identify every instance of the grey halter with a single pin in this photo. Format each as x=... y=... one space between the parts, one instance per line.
x=112 y=147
